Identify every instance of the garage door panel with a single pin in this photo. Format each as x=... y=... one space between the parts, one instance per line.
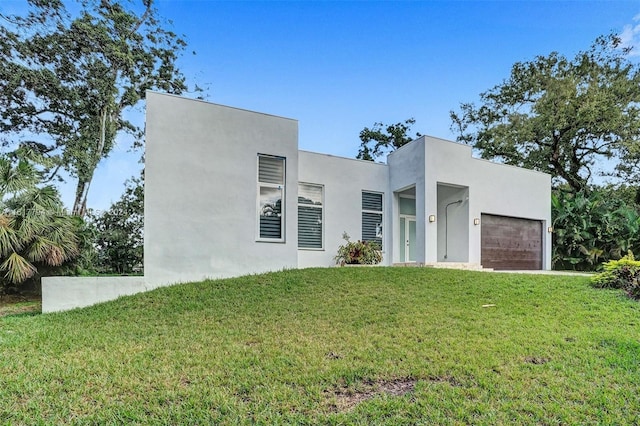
x=511 y=243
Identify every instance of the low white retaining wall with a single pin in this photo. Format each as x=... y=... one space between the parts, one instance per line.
x=64 y=293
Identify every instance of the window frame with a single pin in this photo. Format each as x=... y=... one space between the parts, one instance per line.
x=320 y=207
x=281 y=187
x=380 y=212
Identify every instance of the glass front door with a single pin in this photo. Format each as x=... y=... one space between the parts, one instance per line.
x=407 y=239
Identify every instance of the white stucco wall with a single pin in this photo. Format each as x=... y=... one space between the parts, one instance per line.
x=65 y=293
x=201 y=190
x=493 y=188
x=453 y=223
x=343 y=179
x=407 y=169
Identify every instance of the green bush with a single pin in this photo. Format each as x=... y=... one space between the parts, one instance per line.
x=592 y=227
x=358 y=252
x=633 y=289
x=623 y=274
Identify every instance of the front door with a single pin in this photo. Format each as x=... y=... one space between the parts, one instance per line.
x=407 y=239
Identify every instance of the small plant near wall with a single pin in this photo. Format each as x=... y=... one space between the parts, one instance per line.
x=358 y=252
x=623 y=274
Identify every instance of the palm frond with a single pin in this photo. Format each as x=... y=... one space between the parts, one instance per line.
x=28 y=227
x=9 y=241
x=20 y=177
x=56 y=256
x=38 y=249
x=47 y=198
x=17 y=268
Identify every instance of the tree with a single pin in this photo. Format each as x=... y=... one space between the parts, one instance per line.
x=66 y=81
x=35 y=230
x=559 y=115
x=628 y=194
x=384 y=139
x=120 y=236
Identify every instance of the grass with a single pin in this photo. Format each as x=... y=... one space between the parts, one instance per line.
x=332 y=346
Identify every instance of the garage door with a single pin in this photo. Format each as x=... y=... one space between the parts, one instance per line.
x=510 y=243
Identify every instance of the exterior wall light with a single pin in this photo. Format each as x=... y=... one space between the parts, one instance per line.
x=550 y=229
x=476 y=221
x=432 y=218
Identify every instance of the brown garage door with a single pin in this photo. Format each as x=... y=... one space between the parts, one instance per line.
x=510 y=243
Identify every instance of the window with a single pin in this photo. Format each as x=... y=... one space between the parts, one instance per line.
x=271 y=178
x=310 y=212
x=372 y=217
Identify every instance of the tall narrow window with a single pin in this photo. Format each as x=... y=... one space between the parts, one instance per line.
x=310 y=235
x=271 y=179
x=372 y=217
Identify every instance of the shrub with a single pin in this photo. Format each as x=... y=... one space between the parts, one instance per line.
x=633 y=289
x=358 y=252
x=592 y=227
x=623 y=274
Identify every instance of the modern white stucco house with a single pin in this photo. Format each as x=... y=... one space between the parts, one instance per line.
x=227 y=193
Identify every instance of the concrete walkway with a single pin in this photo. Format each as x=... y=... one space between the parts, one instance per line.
x=477 y=267
x=544 y=272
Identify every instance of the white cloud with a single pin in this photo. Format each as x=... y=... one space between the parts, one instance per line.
x=630 y=36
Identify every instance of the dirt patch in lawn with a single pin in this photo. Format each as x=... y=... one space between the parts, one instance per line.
x=347 y=398
x=537 y=360
x=14 y=304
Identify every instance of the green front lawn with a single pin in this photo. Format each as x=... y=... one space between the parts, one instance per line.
x=336 y=346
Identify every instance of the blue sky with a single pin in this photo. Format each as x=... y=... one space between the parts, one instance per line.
x=340 y=66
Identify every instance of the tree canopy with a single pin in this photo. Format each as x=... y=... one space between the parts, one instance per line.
x=382 y=139
x=561 y=116
x=67 y=79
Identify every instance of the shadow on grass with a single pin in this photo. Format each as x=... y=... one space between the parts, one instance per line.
x=21 y=314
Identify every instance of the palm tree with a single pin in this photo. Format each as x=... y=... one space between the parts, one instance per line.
x=34 y=227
